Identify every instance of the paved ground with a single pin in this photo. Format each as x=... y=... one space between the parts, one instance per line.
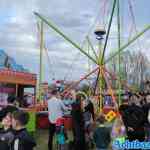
x=41 y=138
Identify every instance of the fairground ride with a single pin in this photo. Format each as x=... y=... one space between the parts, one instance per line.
x=104 y=77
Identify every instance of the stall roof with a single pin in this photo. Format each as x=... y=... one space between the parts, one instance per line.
x=14 y=77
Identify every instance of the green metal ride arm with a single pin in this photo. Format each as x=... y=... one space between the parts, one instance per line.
x=64 y=36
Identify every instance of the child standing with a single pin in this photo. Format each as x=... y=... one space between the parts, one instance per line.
x=102 y=135
x=118 y=132
x=22 y=140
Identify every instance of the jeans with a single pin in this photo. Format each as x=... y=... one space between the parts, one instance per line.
x=52 y=129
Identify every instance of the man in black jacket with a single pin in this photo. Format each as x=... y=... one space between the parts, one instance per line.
x=22 y=139
x=133 y=118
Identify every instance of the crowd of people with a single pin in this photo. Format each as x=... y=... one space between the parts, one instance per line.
x=89 y=130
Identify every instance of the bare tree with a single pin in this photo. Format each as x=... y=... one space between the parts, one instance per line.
x=135 y=67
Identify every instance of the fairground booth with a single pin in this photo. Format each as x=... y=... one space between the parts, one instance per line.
x=14 y=79
x=15 y=83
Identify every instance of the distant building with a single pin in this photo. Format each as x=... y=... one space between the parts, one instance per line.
x=8 y=62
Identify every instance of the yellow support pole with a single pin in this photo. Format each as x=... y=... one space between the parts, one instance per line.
x=41 y=61
x=100 y=91
x=100 y=77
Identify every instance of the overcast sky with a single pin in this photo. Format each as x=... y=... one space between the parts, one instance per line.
x=76 y=18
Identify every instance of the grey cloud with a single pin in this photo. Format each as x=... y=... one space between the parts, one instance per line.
x=19 y=37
